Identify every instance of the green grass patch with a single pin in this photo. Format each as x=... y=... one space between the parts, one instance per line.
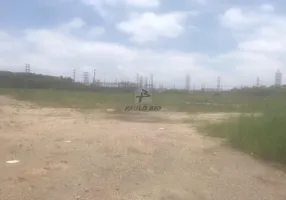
x=264 y=136
x=186 y=102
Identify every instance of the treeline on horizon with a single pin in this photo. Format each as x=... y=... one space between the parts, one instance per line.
x=38 y=81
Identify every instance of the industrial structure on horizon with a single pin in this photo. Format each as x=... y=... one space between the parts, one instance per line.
x=148 y=83
x=278 y=78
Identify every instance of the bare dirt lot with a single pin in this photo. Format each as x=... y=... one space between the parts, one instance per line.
x=69 y=155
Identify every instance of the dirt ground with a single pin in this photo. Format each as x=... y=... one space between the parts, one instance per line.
x=69 y=155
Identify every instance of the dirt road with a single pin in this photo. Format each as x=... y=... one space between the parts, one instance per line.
x=68 y=155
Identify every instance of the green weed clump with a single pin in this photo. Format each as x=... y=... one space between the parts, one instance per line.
x=264 y=136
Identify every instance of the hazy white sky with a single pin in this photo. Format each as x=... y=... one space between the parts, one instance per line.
x=237 y=40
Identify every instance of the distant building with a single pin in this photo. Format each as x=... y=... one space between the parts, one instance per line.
x=278 y=78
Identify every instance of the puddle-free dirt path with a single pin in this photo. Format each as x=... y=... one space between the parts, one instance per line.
x=66 y=155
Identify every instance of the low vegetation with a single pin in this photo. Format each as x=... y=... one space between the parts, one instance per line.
x=194 y=102
x=264 y=136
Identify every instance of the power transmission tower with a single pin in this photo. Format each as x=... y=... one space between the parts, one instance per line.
x=218 y=84
x=152 y=84
x=258 y=82
x=146 y=83
x=141 y=82
x=278 y=78
x=203 y=87
x=188 y=82
x=86 y=78
x=74 y=75
x=27 y=68
x=137 y=80
x=94 y=73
